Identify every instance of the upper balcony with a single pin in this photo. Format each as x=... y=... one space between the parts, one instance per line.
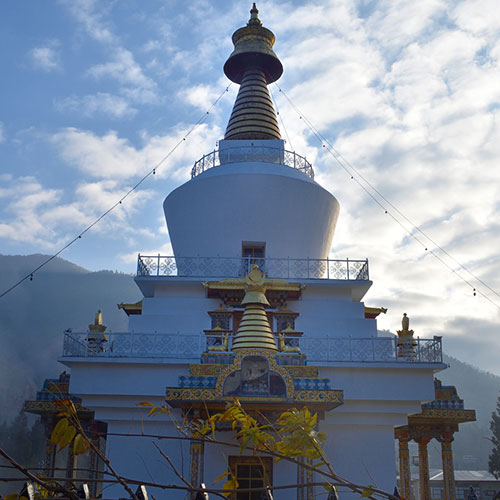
x=257 y=153
x=187 y=348
x=234 y=267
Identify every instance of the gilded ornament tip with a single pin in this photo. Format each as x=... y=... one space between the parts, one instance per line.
x=254 y=16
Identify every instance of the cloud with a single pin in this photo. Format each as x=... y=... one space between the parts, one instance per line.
x=134 y=84
x=46 y=57
x=101 y=103
x=47 y=218
x=124 y=69
x=112 y=157
x=92 y=19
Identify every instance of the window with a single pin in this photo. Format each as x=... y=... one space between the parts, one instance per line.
x=253 y=254
x=251 y=472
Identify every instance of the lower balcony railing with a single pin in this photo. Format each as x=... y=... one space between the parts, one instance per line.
x=232 y=267
x=189 y=347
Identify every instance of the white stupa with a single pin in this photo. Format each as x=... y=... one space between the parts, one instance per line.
x=250 y=305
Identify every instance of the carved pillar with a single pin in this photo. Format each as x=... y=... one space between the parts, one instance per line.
x=448 y=471
x=423 y=467
x=94 y=468
x=301 y=479
x=404 y=464
x=197 y=450
x=309 y=480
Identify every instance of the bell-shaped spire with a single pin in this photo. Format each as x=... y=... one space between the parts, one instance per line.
x=254 y=65
x=254 y=330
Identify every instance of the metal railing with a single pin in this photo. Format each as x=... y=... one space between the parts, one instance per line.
x=252 y=153
x=189 y=347
x=232 y=267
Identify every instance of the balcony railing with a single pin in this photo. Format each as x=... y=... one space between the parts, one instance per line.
x=252 y=153
x=189 y=347
x=233 y=267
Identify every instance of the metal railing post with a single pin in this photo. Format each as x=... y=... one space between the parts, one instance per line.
x=419 y=347
x=158 y=266
x=307 y=267
x=328 y=268
x=347 y=264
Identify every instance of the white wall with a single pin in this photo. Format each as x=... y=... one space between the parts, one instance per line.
x=212 y=214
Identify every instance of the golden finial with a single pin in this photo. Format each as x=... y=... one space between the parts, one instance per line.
x=254 y=16
x=254 y=330
x=253 y=46
x=254 y=65
x=97 y=326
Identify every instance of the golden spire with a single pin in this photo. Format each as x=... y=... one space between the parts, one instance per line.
x=254 y=65
x=254 y=330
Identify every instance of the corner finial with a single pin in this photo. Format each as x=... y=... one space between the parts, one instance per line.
x=254 y=16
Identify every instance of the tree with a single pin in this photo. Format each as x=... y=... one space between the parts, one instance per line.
x=291 y=437
x=494 y=459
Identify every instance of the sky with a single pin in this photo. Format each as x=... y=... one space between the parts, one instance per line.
x=95 y=94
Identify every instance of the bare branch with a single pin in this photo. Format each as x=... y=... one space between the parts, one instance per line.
x=57 y=488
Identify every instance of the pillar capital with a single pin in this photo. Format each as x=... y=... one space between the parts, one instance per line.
x=446 y=436
x=402 y=433
x=422 y=440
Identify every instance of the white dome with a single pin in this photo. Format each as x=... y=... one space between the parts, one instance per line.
x=251 y=202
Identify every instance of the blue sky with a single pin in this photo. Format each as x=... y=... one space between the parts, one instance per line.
x=93 y=94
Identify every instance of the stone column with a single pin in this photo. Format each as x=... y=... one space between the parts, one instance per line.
x=197 y=450
x=404 y=465
x=423 y=467
x=448 y=471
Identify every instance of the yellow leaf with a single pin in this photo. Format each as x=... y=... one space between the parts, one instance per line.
x=67 y=437
x=366 y=493
x=12 y=496
x=144 y=403
x=80 y=445
x=222 y=476
x=59 y=430
x=229 y=485
x=152 y=411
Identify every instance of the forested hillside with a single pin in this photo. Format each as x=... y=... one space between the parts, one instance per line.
x=35 y=314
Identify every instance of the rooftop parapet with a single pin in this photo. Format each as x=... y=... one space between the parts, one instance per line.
x=232 y=267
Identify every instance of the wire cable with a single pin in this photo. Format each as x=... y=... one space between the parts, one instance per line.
x=354 y=173
x=153 y=170
x=281 y=120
